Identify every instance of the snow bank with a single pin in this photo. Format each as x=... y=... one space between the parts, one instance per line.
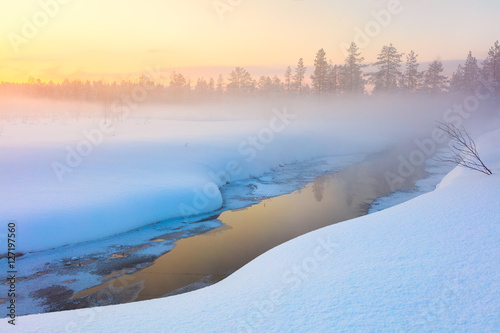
x=430 y=264
x=77 y=181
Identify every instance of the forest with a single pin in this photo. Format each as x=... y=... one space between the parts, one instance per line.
x=394 y=72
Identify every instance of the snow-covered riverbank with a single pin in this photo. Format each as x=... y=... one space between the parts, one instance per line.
x=61 y=177
x=61 y=181
x=52 y=276
x=430 y=264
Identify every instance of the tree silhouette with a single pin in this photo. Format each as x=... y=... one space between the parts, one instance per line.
x=388 y=76
x=352 y=74
x=320 y=76
x=412 y=78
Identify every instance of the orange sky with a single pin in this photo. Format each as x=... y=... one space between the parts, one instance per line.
x=112 y=39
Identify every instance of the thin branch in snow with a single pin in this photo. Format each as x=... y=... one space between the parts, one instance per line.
x=463 y=149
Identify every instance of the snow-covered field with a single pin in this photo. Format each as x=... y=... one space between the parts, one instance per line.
x=430 y=264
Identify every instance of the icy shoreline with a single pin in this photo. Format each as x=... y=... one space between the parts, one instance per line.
x=131 y=180
x=430 y=264
x=435 y=173
x=74 y=266
x=81 y=266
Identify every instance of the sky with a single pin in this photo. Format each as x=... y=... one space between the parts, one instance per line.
x=118 y=39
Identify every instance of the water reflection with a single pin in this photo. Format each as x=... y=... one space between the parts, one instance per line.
x=247 y=233
x=318 y=188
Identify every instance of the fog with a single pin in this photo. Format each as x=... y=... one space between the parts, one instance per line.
x=362 y=118
x=68 y=166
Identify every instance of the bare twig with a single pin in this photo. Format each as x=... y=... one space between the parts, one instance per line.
x=463 y=149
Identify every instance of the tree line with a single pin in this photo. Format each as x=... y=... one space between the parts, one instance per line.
x=392 y=76
x=393 y=73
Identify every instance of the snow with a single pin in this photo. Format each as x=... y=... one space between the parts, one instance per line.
x=427 y=265
x=61 y=181
x=54 y=267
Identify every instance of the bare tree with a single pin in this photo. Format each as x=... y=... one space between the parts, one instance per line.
x=463 y=149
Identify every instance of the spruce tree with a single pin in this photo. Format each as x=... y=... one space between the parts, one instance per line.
x=320 y=76
x=288 y=80
x=240 y=82
x=265 y=85
x=471 y=74
x=353 y=81
x=277 y=86
x=178 y=85
x=201 y=88
x=491 y=66
x=220 y=85
x=388 y=76
x=412 y=78
x=434 y=80
x=298 y=78
x=457 y=80
x=334 y=74
x=211 y=86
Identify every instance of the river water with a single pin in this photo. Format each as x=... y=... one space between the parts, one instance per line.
x=246 y=233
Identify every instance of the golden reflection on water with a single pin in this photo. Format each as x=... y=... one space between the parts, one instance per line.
x=247 y=233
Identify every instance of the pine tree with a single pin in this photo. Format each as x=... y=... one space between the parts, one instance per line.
x=265 y=85
x=352 y=74
x=306 y=89
x=204 y=89
x=320 y=76
x=177 y=80
x=491 y=66
x=412 y=78
x=178 y=85
x=388 y=76
x=333 y=86
x=434 y=81
x=288 y=80
x=471 y=75
x=298 y=78
x=457 y=80
x=201 y=86
x=211 y=86
x=467 y=77
x=220 y=85
x=240 y=82
x=277 y=86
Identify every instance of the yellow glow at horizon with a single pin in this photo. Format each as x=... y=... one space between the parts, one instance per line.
x=94 y=39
